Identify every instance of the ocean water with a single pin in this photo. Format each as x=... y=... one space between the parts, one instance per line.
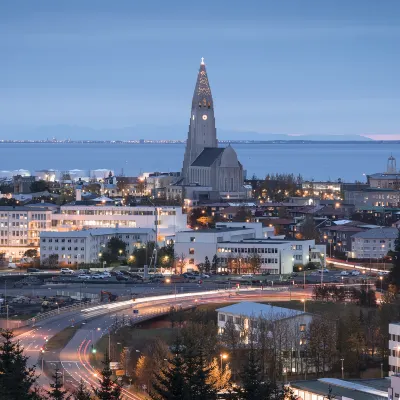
x=316 y=161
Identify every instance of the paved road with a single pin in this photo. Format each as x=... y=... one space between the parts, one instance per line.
x=75 y=356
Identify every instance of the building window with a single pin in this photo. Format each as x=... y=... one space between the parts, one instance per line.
x=192 y=239
x=238 y=320
x=191 y=261
x=222 y=317
x=230 y=318
x=191 y=250
x=302 y=327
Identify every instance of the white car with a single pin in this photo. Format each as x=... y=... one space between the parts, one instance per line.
x=106 y=274
x=355 y=273
x=83 y=276
x=345 y=273
x=66 y=271
x=205 y=276
x=98 y=276
x=247 y=276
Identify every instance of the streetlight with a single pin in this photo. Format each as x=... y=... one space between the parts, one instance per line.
x=304 y=276
x=223 y=356
x=58 y=307
x=381 y=278
x=304 y=303
x=342 y=360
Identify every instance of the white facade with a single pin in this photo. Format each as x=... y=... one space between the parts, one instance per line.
x=394 y=389
x=20 y=228
x=169 y=219
x=394 y=348
x=374 y=243
x=239 y=241
x=77 y=247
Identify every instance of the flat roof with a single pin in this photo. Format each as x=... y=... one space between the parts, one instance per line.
x=253 y=241
x=216 y=230
x=255 y=310
x=352 y=390
x=96 y=232
x=23 y=208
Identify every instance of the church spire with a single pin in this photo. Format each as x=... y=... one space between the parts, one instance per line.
x=202 y=97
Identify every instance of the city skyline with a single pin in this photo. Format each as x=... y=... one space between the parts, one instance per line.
x=314 y=69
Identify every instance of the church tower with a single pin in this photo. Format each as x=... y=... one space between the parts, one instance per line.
x=202 y=132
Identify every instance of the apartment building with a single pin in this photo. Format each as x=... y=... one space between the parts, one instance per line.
x=394 y=348
x=85 y=246
x=374 y=243
x=77 y=216
x=20 y=228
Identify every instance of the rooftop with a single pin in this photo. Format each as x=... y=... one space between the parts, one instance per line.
x=217 y=230
x=207 y=157
x=24 y=208
x=356 y=390
x=378 y=233
x=255 y=310
x=96 y=232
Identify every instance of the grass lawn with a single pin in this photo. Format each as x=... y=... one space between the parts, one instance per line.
x=60 y=340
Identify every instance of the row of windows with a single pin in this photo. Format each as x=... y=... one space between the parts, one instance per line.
x=224 y=260
x=62 y=248
x=260 y=250
x=395 y=338
x=253 y=323
x=66 y=256
x=62 y=240
x=114 y=212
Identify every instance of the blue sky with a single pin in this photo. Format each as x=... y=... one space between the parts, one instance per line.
x=291 y=67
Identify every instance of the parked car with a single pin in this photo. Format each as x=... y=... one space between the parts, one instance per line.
x=29 y=270
x=97 y=276
x=323 y=270
x=66 y=271
x=122 y=278
x=106 y=274
x=205 y=276
x=355 y=273
x=84 y=276
x=345 y=273
x=247 y=276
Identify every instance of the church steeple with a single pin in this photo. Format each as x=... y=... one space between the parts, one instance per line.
x=202 y=96
x=202 y=132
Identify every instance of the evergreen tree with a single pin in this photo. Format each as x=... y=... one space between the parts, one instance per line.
x=82 y=393
x=56 y=392
x=109 y=389
x=16 y=378
x=207 y=265
x=214 y=264
x=202 y=387
x=170 y=383
x=252 y=386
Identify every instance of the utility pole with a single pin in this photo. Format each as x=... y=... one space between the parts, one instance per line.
x=342 y=360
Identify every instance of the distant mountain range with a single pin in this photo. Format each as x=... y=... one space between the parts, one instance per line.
x=150 y=132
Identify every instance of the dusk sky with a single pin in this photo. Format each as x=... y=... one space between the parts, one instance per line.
x=290 y=67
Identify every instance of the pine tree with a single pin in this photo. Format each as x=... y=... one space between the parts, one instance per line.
x=17 y=380
x=252 y=386
x=109 y=389
x=170 y=383
x=202 y=387
x=56 y=392
x=207 y=265
x=82 y=393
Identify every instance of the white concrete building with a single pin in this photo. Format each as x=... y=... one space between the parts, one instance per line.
x=374 y=243
x=169 y=219
x=84 y=246
x=246 y=314
x=394 y=348
x=20 y=228
x=394 y=389
x=237 y=242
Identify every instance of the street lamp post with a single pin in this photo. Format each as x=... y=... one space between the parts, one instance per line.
x=381 y=279
x=342 y=360
x=304 y=304
x=223 y=356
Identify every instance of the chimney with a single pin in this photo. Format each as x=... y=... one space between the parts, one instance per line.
x=78 y=194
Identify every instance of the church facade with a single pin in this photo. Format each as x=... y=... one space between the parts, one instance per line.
x=205 y=164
